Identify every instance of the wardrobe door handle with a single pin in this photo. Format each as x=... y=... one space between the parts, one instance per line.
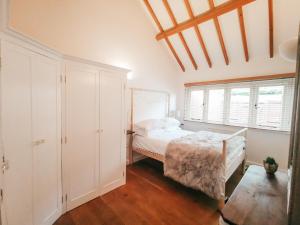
x=35 y=143
x=5 y=166
x=38 y=142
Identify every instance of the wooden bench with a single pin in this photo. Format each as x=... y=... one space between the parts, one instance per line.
x=258 y=199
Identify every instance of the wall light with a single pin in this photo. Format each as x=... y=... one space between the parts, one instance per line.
x=129 y=76
x=288 y=49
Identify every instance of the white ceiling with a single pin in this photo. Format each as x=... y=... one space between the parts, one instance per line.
x=286 y=20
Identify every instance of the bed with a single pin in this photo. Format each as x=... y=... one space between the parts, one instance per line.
x=184 y=153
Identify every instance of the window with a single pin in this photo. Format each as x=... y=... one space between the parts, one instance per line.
x=215 y=105
x=257 y=104
x=196 y=104
x=269 y=106
x=239 y=106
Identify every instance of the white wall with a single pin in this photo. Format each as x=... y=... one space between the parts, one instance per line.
x=112 y=32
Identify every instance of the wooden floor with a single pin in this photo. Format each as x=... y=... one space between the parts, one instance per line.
x=147 y=198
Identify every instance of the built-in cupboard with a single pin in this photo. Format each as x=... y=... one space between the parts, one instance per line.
x=62 y=132
x=94 y=141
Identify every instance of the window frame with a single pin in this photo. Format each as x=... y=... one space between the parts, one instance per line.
x=214 y=87
x=189 y=100
x=287 y=102
x=229 y=104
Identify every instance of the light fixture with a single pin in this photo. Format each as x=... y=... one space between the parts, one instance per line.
x=288 y=49
x=129 y=76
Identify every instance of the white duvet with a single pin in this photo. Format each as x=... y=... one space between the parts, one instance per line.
x=157 y=140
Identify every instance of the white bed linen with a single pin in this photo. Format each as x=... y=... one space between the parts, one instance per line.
x=157 y=140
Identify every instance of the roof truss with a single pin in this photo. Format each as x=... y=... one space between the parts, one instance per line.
x=154 y=17
x=212 y=14
x=271 y=28
x=182 y=39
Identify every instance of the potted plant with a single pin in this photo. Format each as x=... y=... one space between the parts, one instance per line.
x=270 y=165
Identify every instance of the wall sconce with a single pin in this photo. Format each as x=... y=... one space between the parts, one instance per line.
x=129 y=76
x=288 y=49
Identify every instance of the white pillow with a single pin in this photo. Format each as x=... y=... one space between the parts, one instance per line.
x=151 y=124
x=141 y=131
x=172 y=128
x=144 y=127
x=170 y=122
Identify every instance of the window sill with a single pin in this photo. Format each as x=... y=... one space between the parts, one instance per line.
x=239 y=126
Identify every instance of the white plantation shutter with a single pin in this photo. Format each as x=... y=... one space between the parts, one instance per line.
x=258 y=104
x=196 y=104
x=269 y=106
x=239 y=106
x=215 y=105
x=273 y=104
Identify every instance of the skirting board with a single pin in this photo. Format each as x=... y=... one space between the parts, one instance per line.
x=113 y=185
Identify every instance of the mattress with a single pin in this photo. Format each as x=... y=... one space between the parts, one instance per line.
x=158 y=140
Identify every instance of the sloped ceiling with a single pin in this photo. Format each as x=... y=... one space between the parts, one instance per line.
x=256 y=21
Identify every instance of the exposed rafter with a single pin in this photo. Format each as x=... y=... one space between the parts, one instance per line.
x=243 y=33
x=219 y=32
x=198 y=33
x=242 y=79
x=182 y=39
x=271 y=27
x=162 y=30
x=210 y=14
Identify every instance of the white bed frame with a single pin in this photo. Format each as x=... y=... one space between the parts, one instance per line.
x=230 y=167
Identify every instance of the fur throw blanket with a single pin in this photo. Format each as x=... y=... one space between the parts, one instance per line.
x=195 y=161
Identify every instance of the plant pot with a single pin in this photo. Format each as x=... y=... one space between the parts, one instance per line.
x=270 y=168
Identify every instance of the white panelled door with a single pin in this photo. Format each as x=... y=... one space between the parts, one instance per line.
x=112 y=143
x=16 y=134
x=30 y=114
x=46 y=131
x=82 y=131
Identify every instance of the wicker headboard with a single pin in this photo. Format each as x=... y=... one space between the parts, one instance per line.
x=148 y=104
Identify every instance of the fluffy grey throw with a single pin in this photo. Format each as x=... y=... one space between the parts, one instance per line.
x=195 y=161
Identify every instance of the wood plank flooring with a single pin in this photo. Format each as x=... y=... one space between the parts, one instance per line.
x=148 y=198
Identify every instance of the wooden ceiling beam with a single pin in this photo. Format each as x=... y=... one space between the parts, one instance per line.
x=210 y=14
x=219 y=32
x=182 y=39
x=154 y=17
x=271 y=28
x=198 y=33
x=242 y=79
x=243 y=33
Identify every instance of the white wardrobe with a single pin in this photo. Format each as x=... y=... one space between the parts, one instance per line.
x=30 y=135
x=62 y=132
x=95 y=132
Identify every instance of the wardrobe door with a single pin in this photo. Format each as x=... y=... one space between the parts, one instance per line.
x=112 y=143
x=82 y=133
x=16 y=133
x=46 y=131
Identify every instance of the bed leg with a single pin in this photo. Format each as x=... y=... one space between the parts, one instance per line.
x=243 y=166
x=130 y=149
x=221 y=204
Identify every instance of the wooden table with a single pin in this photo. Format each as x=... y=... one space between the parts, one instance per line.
x=259 y=199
